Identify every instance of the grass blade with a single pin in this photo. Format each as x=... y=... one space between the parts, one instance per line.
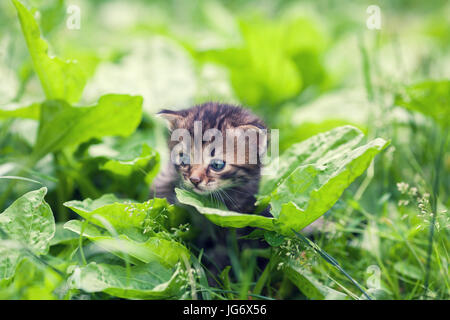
x=330 y=260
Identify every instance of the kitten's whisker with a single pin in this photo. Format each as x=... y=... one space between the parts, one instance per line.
x=233 y=201
x=215 y=201
x=213 y=198
x=223 y=200
x=219 y=199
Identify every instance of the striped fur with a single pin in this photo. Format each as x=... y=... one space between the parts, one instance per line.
x=237 y=184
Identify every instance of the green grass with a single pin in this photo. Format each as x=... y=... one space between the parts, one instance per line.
x=79 y=146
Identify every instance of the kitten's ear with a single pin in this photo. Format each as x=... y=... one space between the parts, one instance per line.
x=262 y=132
x=170 y=116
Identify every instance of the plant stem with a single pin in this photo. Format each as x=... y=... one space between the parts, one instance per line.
x=435 y=196
x=263 y=278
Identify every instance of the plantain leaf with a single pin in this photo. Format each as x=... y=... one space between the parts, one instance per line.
x=143 y=160
x=32 y=111
x=313 y=175
x=28 y=224
x=149 y=281
x=431 y=98
x=62 y=125
x=60 y=79
x=310 y=151
x=223 y=217
x=63 y=236
x=274 y=239
x=126 y=225
x=30 y=220
x=262 y=73
x=155 y=248
x=125 y=217
x=11 y=255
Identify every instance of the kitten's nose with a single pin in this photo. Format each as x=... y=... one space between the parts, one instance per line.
x=195 y=180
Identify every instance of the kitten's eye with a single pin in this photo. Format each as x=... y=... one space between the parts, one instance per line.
x=217 y=164
x=184 y=159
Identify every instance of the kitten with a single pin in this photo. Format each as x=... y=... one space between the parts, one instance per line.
x=220 y=173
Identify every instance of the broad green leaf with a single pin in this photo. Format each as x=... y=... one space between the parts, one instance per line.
x=224 y=218
x=27 y=224
x=309 y=151
x=306 y=282
x=31 y=282
x=63 y=236
x=60 y=79
x=308 y=129
x=277 y=60
x=29 y=112
x=155 y=248
x=30 y=220
x=137 y=230
x=11 y=254
x=149 y=281
x=273 y=238
x=313 y=174
x=125 y=217
x=431 y=98
x=143 y=160
x=62 y=125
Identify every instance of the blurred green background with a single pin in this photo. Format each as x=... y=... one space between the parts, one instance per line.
x=305 y=67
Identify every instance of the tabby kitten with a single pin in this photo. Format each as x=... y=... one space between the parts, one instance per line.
x=220 y=174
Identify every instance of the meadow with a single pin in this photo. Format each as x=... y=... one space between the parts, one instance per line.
x=358 y=91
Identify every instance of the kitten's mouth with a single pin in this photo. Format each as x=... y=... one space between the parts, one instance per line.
x=205 y=189
x=203 y=192
x=199 y=189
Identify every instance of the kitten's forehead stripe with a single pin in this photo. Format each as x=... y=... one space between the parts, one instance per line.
x=219 y=116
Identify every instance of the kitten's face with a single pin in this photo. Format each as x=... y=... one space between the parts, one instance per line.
x=213 y=164
x=212 y=174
